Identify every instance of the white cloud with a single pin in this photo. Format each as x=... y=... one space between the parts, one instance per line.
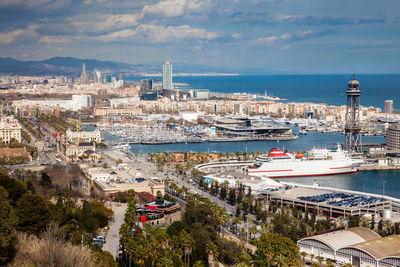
x=19 y=35
x=144 y=33
x=175 y=8
x=159 y=34
x=55 y=39
x=287 y=38
x=36 y=4
x=265 y=41
x=27 y=3
x=98 y=25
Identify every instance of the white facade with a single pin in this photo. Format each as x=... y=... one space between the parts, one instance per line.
x=99 y=174
x=167 y=76
x=188 y=115
x=81 y=101
x=392 y=136
x=9 y=129
x=76 y=103
x=84 y=136
x=115 y=102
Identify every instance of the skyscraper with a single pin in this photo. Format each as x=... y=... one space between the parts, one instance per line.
x=167 y=76
x=97 y=76
x=388 y=108
x=84 y=76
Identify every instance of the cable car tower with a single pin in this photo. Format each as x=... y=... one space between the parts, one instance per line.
x=352 y=138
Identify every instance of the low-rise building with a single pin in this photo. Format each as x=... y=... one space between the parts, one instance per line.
x=160 y=213
x=121 y=179
x=116 y=111
x=73 y=150
x=83 y=136
x=357 y=246
x=9 y=129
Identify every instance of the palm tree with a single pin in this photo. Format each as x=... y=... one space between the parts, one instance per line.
x=320 y=260
x=235 y=222
x=280 y=261
x=312 y=257
x=252 y=230
x=212 y=250
x=303 y=255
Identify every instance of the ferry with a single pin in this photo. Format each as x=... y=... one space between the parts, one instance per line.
x=318 y=162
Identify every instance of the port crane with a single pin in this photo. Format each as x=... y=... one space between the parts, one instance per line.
x=76 y=123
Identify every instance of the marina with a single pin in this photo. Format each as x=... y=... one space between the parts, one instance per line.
x=156 y=132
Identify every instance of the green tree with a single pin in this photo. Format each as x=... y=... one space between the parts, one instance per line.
x=14 y=187
x=320 y=260
x=33 y=214
x=8 y=221
x=276 y=244
x=45 y=180
x=232 y=196
x=303 y=256
x=104 y=258
x=30 y=187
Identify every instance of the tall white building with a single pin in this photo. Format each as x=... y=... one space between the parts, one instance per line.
x=81 y=101
x=97 y=76
x=167 y=76
x=388 y=108
x=9 y=129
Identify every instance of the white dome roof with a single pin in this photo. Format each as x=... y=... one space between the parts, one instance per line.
x=353 y=82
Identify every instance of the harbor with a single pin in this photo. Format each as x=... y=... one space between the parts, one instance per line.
x=381 y=181
x=164 y=132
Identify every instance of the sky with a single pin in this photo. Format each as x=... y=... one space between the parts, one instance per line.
x=282 y=36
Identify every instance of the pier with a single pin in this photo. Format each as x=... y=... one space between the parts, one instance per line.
x=376 y=167
x=333 y=201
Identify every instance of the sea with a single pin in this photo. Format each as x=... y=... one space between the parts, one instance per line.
x=328 y=89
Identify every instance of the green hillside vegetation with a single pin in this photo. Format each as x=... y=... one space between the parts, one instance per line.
x=35 y=230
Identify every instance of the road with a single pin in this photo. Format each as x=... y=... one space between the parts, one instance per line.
x=112 y=236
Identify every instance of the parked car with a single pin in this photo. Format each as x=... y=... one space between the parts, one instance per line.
x=101 y=238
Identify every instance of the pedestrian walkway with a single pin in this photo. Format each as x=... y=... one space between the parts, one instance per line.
x=112 y=237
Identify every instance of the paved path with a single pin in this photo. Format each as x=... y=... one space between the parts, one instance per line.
x=112 y=237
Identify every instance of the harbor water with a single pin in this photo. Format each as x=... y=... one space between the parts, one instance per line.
x=376 y=182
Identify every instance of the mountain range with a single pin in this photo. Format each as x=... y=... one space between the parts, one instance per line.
x=70 y=66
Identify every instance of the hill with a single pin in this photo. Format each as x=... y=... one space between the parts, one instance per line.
x=70 y=66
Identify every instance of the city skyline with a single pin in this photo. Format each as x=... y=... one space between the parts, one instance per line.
x=277 y=35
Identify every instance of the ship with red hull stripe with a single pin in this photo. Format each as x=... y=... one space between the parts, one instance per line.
x=317 y=162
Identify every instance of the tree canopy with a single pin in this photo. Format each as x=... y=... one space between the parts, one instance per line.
x=271 y=246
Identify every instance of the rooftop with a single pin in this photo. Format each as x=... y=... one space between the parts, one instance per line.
x=381 y=247
x=343 y=238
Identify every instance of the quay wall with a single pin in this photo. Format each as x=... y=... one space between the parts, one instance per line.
x=376 y=167
x=213 y=140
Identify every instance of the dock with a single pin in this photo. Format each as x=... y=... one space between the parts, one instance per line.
x=376 y=167
x=332 y=201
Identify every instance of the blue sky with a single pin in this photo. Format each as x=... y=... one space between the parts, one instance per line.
x=296 y=36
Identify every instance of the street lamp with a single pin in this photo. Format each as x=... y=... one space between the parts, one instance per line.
x=383 y=187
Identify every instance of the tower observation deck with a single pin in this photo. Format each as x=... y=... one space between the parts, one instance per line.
x=352 y=139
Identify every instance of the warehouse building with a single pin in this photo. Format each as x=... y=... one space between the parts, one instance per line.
x=358 y=246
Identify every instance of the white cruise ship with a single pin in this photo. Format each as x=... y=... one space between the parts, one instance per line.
x=318 y=162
